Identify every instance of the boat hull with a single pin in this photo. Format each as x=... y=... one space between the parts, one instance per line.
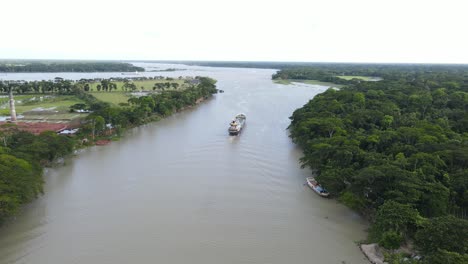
x=313 y=184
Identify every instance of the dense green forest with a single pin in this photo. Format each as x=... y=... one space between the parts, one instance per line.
x=22 y=155
x=69 y=67
x=395 y=150
x=410 y=72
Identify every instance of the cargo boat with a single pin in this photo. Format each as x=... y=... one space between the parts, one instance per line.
x=237 y=124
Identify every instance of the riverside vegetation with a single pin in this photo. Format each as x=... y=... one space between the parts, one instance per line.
x=23 y=155
x=395 y=150
x=63 y=66
x=59 y=93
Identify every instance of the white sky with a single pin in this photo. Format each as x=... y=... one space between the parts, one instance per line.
x=245 y=30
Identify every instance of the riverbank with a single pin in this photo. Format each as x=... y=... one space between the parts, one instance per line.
x=368 y=146
x=373 y=253
x=113 y=134
x=105 y=123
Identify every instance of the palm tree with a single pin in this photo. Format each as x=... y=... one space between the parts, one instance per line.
x=105 y=85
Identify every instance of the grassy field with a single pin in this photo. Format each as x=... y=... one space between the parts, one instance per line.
x=312 y=82
x=364 y=78
x=5 y=99
x=120 y=96
x=315 y=82
x=57 y=103
x=285 y=82
x=57 y=107
x=112 y=97
x=146 y=85
x=53 y=117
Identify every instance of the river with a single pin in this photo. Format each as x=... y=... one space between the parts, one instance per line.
x=182 y=190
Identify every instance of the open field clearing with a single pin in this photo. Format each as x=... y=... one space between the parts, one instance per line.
x=364 y=78
x=312 y=82
x=112 y=97
x=56 y=107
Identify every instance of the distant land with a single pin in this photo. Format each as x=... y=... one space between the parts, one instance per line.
x=286 y=64
x=66 y=66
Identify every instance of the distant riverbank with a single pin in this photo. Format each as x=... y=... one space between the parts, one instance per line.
x=55 y=66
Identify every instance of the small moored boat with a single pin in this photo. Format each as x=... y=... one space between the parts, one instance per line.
x=237 y=124
x=317 y=187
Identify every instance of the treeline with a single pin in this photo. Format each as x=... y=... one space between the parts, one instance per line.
x=71 y=67
x=44 y=87
x=140 y=110
x=61 y=86
x=412 y=73
x=396 y=150
x=22 y=156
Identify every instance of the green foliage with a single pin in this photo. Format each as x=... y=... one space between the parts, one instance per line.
x=396 y=217
x=94 y=125
x=115 y=98
x=71 y=67
x=351 y=200
x=78 y=106
x=21 y=157
x=42 y=148
x=396 y=149
x=22 y=154
x=446 y=257
x=391 y=240
x=140 y=110
x=446 y=233
x=18 y=184
x=399 y=258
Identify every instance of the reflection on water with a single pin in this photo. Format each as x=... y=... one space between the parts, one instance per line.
x=183 y=191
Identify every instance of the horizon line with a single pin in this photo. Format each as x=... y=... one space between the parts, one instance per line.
x=233 y=61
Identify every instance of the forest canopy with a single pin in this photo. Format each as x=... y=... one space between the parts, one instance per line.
x=396 y=149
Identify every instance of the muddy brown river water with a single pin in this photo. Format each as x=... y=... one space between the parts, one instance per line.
x=182 y=190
